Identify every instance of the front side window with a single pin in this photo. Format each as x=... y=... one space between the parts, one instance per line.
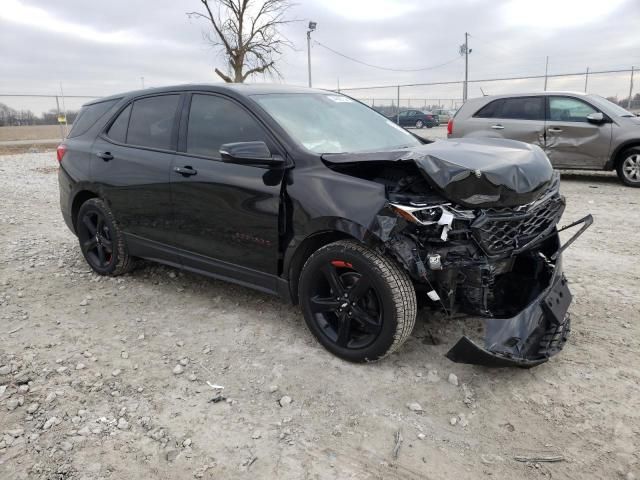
x=214 y=121
x=332 y=123
x=566 y=109
x=152 y=121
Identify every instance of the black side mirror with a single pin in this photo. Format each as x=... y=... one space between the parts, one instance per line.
x=596 y=117
x=249 y=153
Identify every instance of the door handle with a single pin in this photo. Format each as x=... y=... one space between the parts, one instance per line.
x=185 y=171
x=555 y=130
x=106 y=156
x=497 y=127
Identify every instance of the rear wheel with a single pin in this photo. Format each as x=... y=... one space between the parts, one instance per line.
x=101 y=240
x=360 y=305
x=629 y=167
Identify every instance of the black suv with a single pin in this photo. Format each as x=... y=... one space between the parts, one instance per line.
x=317 y=198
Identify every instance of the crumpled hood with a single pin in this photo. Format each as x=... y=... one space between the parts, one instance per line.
x=474 y=172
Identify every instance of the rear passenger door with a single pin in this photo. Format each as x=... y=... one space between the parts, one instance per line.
x=573 y=141
x=226 y=214
x=514 y=118
x=132 y=164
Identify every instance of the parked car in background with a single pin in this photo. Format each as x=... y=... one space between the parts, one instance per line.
x=317 y=198
x=415 y=119
x=576 y=130
x=444 y=115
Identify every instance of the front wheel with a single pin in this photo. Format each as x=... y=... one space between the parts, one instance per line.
x=419 y=124
x=360 y=305
x=629 y=167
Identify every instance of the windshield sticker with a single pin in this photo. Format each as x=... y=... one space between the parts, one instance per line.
x=339 y=98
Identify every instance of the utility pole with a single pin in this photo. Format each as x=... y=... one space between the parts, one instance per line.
x=142 y=81
x=546 y=71
x=465 y=50
x=630 y=88
x=586 y=80
x=398 y=106
x=312 y=27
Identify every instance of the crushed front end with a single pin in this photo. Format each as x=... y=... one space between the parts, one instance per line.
x=475 y=225
x=501 y=264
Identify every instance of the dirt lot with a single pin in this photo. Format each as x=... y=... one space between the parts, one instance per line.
x=107 y=378
x=35 y=132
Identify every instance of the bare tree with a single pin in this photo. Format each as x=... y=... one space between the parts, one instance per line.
x=248 y=32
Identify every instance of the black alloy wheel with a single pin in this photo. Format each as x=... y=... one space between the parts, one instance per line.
x=345 y=305
x=101 y=241
x=360 y=305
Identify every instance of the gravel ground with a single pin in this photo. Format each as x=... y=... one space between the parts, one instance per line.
x=105 y=378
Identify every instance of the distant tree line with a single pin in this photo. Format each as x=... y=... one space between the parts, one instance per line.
x=12 y=117
x=624 y=102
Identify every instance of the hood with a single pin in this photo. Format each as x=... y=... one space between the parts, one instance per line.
x=473 y=172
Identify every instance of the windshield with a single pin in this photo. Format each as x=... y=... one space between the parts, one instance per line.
x=333 y=123
x=614 y=109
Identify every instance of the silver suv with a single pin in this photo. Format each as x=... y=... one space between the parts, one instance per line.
x=576 y=130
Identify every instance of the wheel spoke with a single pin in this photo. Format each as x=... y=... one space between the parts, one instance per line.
x=344 y=331
x=360 y=288
x=101 y=257
x=368 y=323
x=324 y=304
x=89 y=244
x=89 y=224
x=331 y=274
x=106 y=243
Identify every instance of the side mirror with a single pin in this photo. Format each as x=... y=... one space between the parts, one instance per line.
x=595 y=117
x=249 y=153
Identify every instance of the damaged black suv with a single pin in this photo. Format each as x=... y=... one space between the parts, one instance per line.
x=319 y=199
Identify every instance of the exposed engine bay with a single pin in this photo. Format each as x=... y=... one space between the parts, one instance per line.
x=479 y=236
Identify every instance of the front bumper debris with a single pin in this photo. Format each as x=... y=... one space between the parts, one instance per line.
x=528 y=339
x=536 y=333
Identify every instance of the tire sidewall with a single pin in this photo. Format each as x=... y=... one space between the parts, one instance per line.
x=362 y=265
x=98 y=206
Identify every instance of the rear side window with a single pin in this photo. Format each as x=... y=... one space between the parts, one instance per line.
x=214 y=121
x=89 y=115
x=490 y=110
x=519 y=108
x=152 y=120
x=118 y=129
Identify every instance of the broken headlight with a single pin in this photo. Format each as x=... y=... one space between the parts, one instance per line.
x=431 y=214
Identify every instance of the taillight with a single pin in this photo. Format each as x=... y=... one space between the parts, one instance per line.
x=60 y=151
x=450 y=127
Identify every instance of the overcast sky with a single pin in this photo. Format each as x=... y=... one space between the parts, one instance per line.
x=100 y=48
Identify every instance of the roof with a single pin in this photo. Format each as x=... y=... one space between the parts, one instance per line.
x=244 y=89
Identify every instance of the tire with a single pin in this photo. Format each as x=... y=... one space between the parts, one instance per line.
x=429 y=126
x=101 y=240
x=628 y=167
x=419 y=124
x=359 y=305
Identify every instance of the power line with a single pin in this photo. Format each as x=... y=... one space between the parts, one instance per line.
x=384 y=68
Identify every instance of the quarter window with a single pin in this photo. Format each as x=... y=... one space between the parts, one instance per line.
x=89 y=115
x=490 y=110
x=565 y=109
x=214 y=121
x=152 y=121
x=118 y=129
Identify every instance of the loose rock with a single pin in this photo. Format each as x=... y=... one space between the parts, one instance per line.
x=453 y=379
x=414 y=407
x=177 y=370
x=285 y=401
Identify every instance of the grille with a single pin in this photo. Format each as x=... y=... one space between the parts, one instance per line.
x=501 y=230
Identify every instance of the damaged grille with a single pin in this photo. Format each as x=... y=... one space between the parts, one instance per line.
x=501 y=230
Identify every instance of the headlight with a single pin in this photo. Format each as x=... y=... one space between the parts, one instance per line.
x=429 y=215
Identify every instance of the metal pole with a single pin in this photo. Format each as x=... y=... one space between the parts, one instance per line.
x=465 y=90
x=546 y=70
x=64 y=111
x=309 y=55
x=586 y=80
x=57 y=118
x=630 y=88
x=398 y=106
